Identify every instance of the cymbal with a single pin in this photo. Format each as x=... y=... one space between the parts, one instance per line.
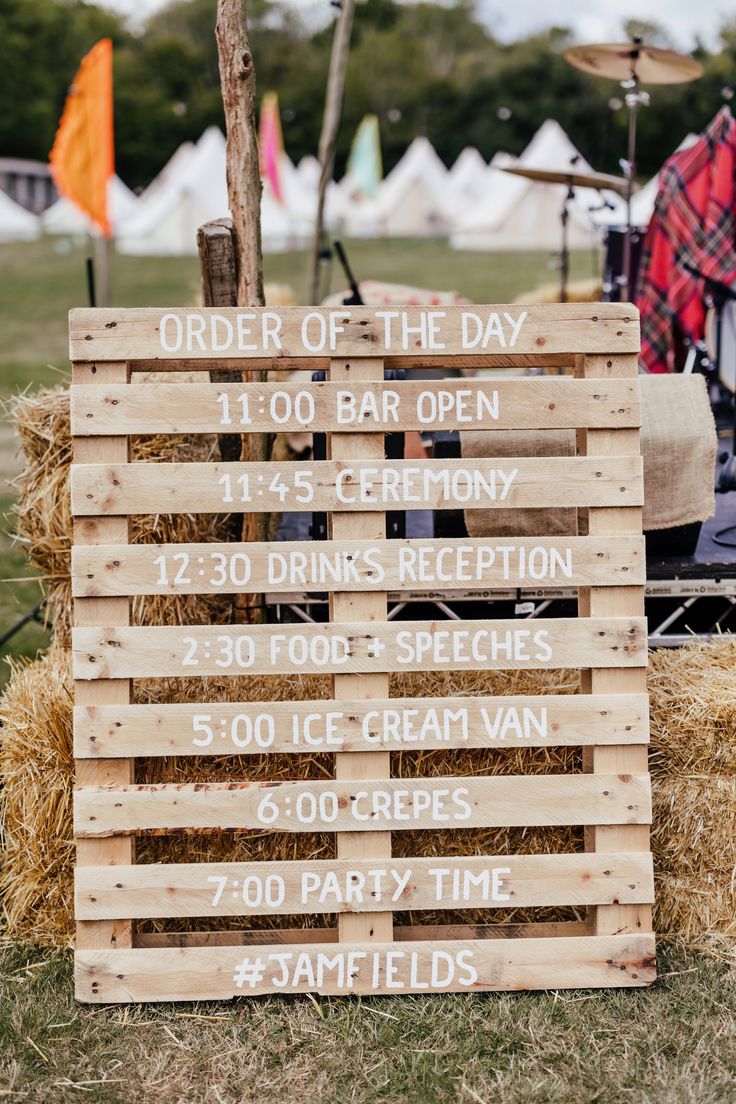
x=600 y=181
x=650 y=64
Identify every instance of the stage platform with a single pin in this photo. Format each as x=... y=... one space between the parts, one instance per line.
x=686 y=596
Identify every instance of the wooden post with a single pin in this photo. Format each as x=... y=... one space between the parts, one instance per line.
x=218 y=280
x=330 y=127
x=614 y=601
x=360 y=606
x=116 y=851
x=217 y=269
x=238 y=83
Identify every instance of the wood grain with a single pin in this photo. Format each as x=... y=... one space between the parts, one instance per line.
x=366 y=885
x=94 y=611
x=409 y=933
x=371 y=608
x=545 y=403
x=351 y=485
x=355 y=724
x=353 y=565
x=605 y=601
x=358 y=647
x=207 y=973
x=150 y=333
x=361 y=725
x=364 y=806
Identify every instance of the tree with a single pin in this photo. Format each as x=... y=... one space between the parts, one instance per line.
x=423 y=68
x=41 y=45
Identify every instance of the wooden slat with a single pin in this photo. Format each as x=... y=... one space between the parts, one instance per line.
x=355 y=485
x=599 y=601
x=360 y=885
x=371 y=608
x=365 y=806
x=409 y=933
x=471 y=362
x=352 y=565
x=379 y=724
x=546 y=403
x=435 y=333
x=217 y=973
x=95 y=611
x=359 y=647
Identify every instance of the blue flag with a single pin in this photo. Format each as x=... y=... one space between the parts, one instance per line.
x=365 y=166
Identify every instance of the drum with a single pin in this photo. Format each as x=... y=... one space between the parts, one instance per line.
x=613 y=267
x=723 y=353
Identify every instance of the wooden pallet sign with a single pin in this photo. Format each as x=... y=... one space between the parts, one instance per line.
x=364 y=886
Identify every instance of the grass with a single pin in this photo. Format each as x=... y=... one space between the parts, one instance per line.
x=672 y=1044
x=40 y=282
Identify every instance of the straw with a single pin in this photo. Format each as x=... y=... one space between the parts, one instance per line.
x=695 y=815
x=693 y=725
x=43 y=522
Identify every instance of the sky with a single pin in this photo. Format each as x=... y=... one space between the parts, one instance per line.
x=591 y=20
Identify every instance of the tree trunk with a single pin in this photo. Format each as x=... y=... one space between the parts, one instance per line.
x=238 y=83
x=330 y=128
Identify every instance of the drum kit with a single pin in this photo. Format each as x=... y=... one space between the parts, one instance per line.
x=632 y=64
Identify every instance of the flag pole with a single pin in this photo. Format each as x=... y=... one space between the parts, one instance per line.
x=103 y=270
x=328 y=137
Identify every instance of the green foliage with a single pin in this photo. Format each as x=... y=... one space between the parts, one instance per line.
x=422 y=67
x=41 y=44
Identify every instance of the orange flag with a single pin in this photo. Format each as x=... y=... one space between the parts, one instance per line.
x=83 y=157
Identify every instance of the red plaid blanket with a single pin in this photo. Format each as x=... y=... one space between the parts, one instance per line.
x=694 y=223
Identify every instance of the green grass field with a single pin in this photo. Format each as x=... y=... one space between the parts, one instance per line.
x=672 y=1044
x=39 y=284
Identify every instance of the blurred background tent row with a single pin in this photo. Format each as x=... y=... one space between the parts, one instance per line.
x=476 y=205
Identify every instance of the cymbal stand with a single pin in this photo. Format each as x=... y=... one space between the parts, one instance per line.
x=634 y=98
x=565 y=251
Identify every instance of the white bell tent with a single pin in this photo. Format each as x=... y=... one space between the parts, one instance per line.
x=65 y=218
x=308 y=171
x=171 y=169
x=167 y=216
x=518 y=214
x=192 y=190
x=17 y=224
x=413 y=201
x=468 y=178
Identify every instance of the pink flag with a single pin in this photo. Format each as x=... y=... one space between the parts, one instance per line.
x=271 y=144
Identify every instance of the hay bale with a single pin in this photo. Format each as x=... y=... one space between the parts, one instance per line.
x=257 y=846
x=36 y=770
x=700 y=913
x=588 y=290
x=695 y=812
x=693 y=708
x=43 y=517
